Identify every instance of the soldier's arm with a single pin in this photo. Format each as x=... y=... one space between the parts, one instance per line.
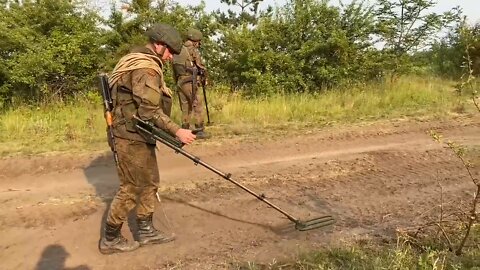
x=146 y=90
x=198 y=59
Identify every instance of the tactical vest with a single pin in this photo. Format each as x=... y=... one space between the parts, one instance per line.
x=184 y=63
x=125 y=107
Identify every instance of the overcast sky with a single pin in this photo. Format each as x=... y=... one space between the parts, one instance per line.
x=470 y=7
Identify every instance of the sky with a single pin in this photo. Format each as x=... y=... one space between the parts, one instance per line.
x=470 y=7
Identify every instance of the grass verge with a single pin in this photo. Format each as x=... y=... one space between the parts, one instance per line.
x=78 y=125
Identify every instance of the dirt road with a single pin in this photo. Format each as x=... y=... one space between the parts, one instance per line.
x=373 y=179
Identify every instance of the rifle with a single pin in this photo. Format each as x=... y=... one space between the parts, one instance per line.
x=165 y=138
x=194 y=84
x=108 y=107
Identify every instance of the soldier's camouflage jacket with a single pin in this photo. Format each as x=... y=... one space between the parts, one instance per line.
x=141 y=92
x=183 y=63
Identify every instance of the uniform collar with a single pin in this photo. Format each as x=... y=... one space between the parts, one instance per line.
x=146 y=50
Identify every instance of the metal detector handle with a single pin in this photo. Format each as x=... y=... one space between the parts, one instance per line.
x=152 y=130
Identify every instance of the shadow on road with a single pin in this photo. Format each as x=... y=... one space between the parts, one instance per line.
x=54 y=257
x=101 y=173
x=285 y=228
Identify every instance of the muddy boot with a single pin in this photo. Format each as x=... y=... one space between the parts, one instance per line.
x=114 y=242
x=148 y=235
x=200 y=132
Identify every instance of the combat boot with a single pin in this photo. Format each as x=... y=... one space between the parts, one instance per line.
x=200 y=132
x=148 y=235
x=113 y=241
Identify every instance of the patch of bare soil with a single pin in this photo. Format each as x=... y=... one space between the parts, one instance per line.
x=372 y=179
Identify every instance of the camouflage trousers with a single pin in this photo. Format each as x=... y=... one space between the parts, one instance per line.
x=139 y=180
x=190 y=107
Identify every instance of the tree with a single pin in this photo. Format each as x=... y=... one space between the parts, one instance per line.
x=407 y=26
x=303 y=46
x=459 y=46
x=249 y=13
x=49 y=48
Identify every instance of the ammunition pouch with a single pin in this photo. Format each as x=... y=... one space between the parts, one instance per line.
x=167 y=105
x=183 y=74
x=183 y=80
x=124 y=103
x=130 y=124
x=179 y=70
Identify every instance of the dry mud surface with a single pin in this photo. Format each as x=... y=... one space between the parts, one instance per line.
x=372 y=179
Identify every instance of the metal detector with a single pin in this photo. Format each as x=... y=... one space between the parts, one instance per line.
x=155 y=133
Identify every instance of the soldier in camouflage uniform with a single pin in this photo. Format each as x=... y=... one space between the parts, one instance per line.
x=185 y=65
x=138 y=88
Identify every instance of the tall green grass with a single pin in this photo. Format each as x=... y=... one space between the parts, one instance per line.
x=53 y=127
x=367 y=255
x=79 y=125
x=408 y=97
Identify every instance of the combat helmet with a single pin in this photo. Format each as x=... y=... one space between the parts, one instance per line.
x=194 y=35
x=166 y=34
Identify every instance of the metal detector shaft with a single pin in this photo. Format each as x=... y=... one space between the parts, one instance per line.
x=196 y=160
x=226 y=176
x=206 y=101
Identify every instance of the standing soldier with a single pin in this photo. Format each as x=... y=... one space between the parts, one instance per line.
x=138 y=89
x=189 y=70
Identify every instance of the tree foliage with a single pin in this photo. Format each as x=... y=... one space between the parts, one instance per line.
x=450 y=56
x=48 y=47
x=408 y=26
x=248 y=14
x=55 y=48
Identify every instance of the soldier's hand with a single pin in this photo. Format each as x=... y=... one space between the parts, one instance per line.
x=185 y=135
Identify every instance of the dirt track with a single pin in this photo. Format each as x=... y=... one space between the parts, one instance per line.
x=372 y=179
